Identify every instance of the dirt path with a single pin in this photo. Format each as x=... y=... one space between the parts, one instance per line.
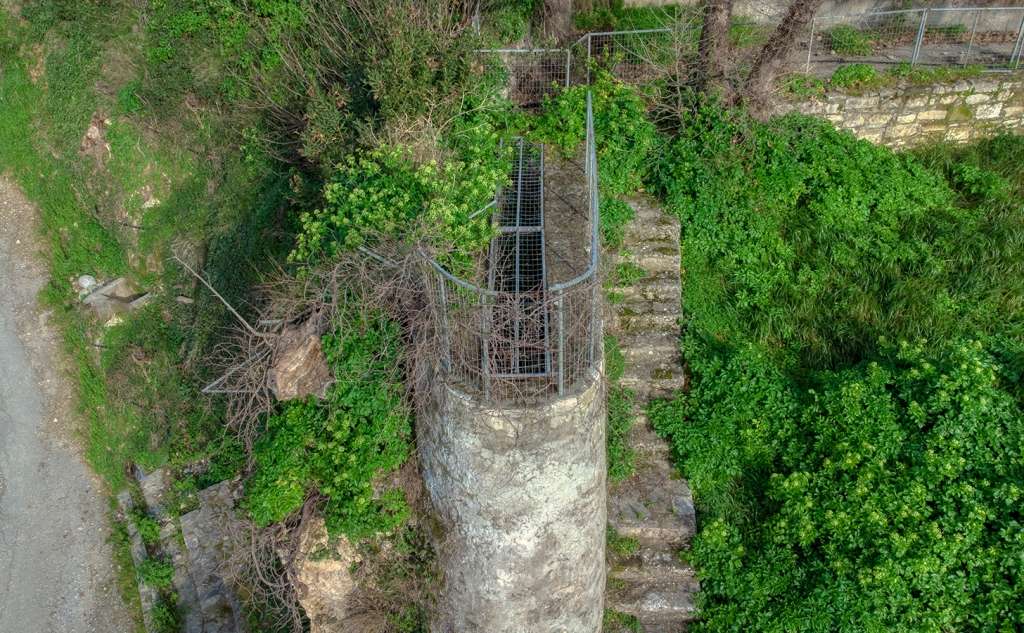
x=56 y=570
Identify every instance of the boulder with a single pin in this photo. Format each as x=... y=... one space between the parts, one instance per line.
x=114 y=298
x=299 y=367
x=326 y=583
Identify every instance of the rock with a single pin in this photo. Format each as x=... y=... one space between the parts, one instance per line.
x=85 y=284
x=325 y=579
x=300 y=367
x=94 y=141
x=114 y=298
x=153 y=486
x=207 y=536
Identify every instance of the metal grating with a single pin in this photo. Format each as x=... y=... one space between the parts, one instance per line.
x=517 y=269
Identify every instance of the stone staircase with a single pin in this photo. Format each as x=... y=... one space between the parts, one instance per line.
x=655 y=506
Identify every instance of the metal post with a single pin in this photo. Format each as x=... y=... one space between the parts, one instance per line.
x=810 y=47
x=561 y=341
x=568 y=65
x=1019 y=47
x=485 y=329
x=446 y=338
x=974 y=33
x=920 y=37
x=589 y=53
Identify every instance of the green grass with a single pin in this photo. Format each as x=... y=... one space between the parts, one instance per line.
x=621 y=457
x=847 y=40
x=620 y=545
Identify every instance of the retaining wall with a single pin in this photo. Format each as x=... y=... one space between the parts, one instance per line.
x=915 y=114
x=522 y=496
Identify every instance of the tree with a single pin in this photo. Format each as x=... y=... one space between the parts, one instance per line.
x=779 y=45
x=556 y=19
x=714 y=45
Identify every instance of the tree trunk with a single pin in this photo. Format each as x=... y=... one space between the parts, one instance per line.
x=779 y=46
x=556 y=19
x=714 y=45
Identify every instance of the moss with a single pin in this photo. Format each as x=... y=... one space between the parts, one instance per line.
x=960 y=112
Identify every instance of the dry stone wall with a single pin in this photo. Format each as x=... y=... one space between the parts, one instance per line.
x=908 y=115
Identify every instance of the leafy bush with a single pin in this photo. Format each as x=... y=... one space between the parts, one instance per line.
x=382 y=192
x=803 y=86
x=936 y=74
x=846 y=40
x=156 y=572
x=148 y=527
x=625 y=137
x=338 y=446
x=814 y=244
x=885 y=497
x=857 y=77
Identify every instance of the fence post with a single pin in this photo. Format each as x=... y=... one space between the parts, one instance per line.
x=560 y=303
x=810 y=47
x=920 y=37
x=446 y=336
x=974 y=34
x=568 y=64
x=589 y=53
x=485 y=344
x=1019 y=47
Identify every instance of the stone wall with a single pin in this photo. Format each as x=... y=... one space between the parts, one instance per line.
x=773 y=10
x=914 y=114
x=521 y=493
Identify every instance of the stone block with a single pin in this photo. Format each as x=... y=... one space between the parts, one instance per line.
x=958 y=134
x=978 y=98
x=903 y=131
x=947 y=99
x=916 y=102
x=990 y=111
x=906 y=118
x=861 y=103
x=1012 y=111
x=985 y=85
x=879 y=119
x=931 y=115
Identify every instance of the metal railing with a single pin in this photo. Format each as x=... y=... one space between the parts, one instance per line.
x=532 y=329
x=989 y=37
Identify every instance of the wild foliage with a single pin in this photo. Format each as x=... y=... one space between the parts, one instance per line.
x=337 y=447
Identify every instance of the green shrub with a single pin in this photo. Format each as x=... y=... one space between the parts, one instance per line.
x=164 y=616
x=803 y=86
x=339 y=445
x=148 y=527
x=625 y=138
x=383 y=193
x=857 y=77
x=814 y=244
x=156 y=572
x=937 y=74
x=846 y=40
x=886 y=496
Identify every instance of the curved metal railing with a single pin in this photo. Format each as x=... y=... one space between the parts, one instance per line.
x=529 y=333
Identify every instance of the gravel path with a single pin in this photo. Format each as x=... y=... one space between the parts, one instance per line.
x=56 y=570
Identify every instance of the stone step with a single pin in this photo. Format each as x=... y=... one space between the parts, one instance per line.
x=655 y=599
x=655 y=259
x=653 y=561
x=663 y=291
x=658 y=229
x=647 y=387
x=636 y=323
x=666 y=624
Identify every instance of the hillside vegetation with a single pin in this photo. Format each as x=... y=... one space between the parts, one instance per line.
x=854 y=429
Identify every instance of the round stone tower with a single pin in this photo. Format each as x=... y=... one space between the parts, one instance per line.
x=522 y=494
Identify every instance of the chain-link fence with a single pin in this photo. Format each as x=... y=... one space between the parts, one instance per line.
x=990 y=37
x=530 y=328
